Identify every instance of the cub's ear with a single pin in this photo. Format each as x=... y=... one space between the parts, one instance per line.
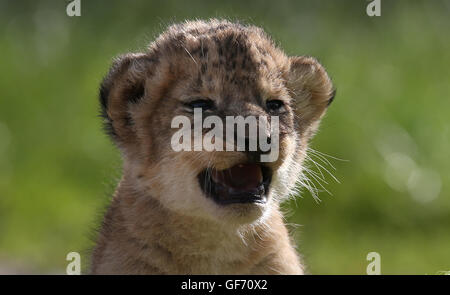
x=123 y=86
x=311 y=88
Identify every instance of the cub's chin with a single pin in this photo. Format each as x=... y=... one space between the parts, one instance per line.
x=241 y=192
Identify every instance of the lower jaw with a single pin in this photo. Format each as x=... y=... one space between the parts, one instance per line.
x=261 y=198
x=241 y=200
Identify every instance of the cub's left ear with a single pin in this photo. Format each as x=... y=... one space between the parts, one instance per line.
x=122 y=86
x=311 y=88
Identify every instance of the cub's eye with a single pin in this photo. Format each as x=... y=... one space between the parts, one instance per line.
x=204 y=104
x=274 y=104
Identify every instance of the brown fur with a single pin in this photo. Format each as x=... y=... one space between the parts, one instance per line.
x=159 y=221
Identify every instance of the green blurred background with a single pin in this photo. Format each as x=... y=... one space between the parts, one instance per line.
x=390 y=123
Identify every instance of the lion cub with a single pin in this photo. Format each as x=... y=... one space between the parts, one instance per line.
x=206 y=212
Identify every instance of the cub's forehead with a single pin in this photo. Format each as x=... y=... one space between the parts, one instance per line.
x=220 y=52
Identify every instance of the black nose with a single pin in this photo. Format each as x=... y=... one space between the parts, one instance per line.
x=252 y=154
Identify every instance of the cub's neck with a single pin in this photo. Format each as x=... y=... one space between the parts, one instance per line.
x=139 y=235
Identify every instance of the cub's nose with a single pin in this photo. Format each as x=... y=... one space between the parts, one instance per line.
x=253 y=148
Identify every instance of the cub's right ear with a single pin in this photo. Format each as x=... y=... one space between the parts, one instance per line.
x=123 y=86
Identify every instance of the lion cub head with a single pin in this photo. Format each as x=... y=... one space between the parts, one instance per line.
x=213 y=69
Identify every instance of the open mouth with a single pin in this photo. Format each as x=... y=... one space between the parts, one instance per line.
x=243 y=183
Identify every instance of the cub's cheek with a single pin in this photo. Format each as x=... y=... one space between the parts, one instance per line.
x=288 y=145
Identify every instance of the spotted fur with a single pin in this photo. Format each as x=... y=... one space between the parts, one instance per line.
x=159 y=221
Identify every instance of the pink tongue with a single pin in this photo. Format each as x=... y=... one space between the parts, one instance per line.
x=242 y=176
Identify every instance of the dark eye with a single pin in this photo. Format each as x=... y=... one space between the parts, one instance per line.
x=274 y=104
x=204 y=104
